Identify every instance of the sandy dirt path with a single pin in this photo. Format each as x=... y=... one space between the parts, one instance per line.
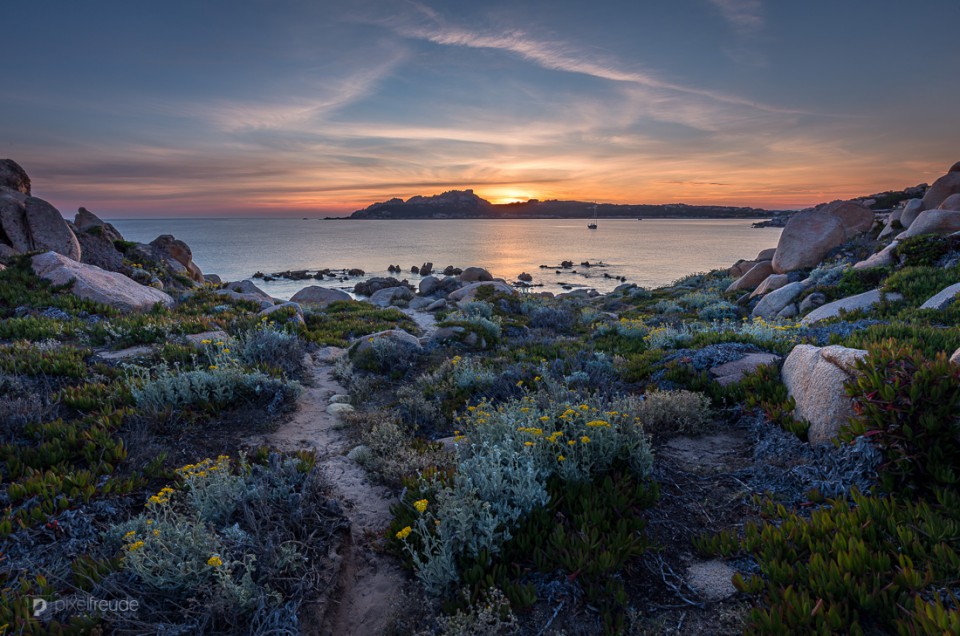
x=369 y=580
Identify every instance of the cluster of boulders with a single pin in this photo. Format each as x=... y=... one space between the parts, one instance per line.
x=773 y=285
x=104 y=267
x=431 y=294
x=306 y=274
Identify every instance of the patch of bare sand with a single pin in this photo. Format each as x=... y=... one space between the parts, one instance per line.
x=369 y=580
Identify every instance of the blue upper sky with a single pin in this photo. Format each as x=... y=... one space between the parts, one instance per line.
x=211 y=107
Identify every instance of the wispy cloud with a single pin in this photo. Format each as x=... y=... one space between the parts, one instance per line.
x=745 y=16
x=560 y=56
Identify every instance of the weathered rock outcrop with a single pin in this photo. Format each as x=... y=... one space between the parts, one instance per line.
x=753 y=277
x=475 y=274
x=468 y=293
x=883 y=258
x=97 y=241
x=810 y=234
x=14 y=177
x=815 y=378
x=911 y=211
x=375 y=284
x=733 y=372
x=92 y=283
x=32 y=224
x=942 y=299
x=179 y=252
x=429 y=285
x=771 y=283
x=933 y=222
x=248 y=289
x=776 y=301
x=319 y=296
x=865 y=300
x=392 y=296
x=941 y=189
x=87 y=221
x=952 y=202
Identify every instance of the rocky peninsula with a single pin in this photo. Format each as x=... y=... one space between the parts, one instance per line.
x=465 y=204
x=767 y=448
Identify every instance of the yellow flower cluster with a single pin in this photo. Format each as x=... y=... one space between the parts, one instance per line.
x=205 y=467
x=133 y=547
x=403 y=534
x=161 y=497
x=455 y=360
x=215 y=561
x=421 y=505
x=599 y=424
x=760 y=322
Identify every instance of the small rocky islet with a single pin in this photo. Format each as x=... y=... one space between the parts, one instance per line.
x=769 y=448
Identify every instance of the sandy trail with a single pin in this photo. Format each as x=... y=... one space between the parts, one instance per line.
x=369 y=580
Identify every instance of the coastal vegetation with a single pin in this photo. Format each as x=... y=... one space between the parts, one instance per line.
x=697 y=458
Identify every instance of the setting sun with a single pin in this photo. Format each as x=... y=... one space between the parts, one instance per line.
x=508 y=195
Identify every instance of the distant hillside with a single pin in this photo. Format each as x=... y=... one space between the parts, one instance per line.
x=464 y=204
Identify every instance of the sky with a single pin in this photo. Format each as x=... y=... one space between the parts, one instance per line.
x=306 y=108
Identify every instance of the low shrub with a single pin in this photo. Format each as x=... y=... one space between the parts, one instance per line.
x=718 y=311
x=506 y=456
x=341 y=322
x=669 y=413
x=869 y=565
x=271 y=348
x=393 y=455
x=385 y=354
x=558 y=319
x=919 y=283
x=930 y=339
x=925 y=250
x=218 y=386
x=907 y=405
x=857 y=281
x=44 y=358
x=235 y=545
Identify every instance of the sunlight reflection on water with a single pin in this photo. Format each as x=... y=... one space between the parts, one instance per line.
x=650 y=253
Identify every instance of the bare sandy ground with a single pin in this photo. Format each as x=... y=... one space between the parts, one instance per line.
x=369 y=580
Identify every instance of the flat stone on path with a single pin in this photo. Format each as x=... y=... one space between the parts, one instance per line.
x=712 y=580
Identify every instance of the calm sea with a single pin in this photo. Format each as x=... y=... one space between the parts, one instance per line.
x=650 y=253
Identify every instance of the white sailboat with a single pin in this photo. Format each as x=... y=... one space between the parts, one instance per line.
x=592 y=225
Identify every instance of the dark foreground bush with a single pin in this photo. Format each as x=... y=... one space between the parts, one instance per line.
x=874 y=565
x=907 y=405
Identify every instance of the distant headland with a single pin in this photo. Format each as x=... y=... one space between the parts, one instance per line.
x=465 y=204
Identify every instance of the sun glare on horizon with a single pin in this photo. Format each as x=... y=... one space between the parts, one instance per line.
x=499 y=197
